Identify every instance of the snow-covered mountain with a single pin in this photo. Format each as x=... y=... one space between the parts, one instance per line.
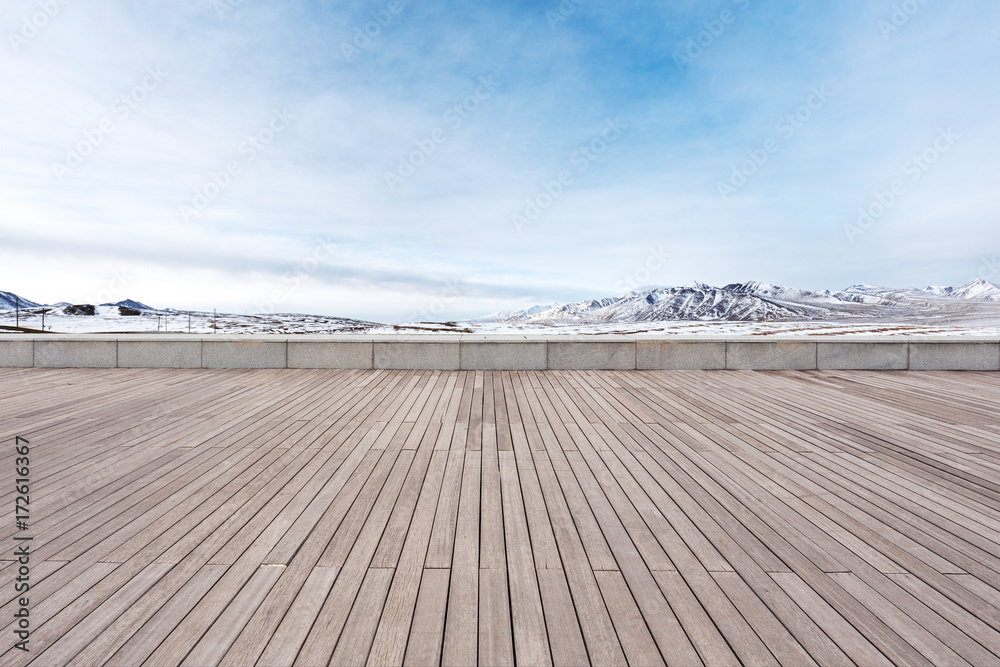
x=514 y=315
x=759 y=302
x=10 y=301
x=130 y=316
x=977 y=290
x=695 y=301
x=130 y=303
x=975 y=306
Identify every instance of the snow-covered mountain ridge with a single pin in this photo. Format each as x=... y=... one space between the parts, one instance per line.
x=748 y=307
x=130 y=316
x=760 y=302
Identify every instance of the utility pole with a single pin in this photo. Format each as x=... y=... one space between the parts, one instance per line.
x=17 y=311
x=44 y=310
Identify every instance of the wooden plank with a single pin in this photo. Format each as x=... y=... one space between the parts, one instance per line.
x=359 y=629
x=598 y=631
x=532 y=517
x=9 y=571
x=389 y=645
x=852 y=642
x=665 y=628
x=474 y=433
x=63 y=650
x=95 y=535
x=462 y=626
x=930 y=646
x=565 y=636
x=426 y=636
x=54 y=612
x=543 y=543
x=531 y=644
x=663 y=506
x=322 y=640
x=323 y=493
x=461 y=631
x=705 y=636
x=502 y=415
x=447 y=411
x=288 y=637
x=718 y=522
x=559 y=485
x=867 y=622
x=496 y=645
x=138 y=615
x=190 y=630
x=237 y=492
x=146 y=638
x=772 y=633
x=491 y=525
x=213 y=644
x=961 y=619
x=633 y=633
x=439 y=552
x=58 y=590
x=404 y=513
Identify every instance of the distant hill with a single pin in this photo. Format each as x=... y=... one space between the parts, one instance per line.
x=758 y=302
x=9 y=301
x=977 y=290
x=130 y=303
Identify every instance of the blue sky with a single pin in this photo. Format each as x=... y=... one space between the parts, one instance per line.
x=463 y=158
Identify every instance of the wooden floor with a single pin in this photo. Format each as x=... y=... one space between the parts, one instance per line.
x=278 y=517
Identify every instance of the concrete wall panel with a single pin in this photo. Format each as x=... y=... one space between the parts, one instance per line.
x=954 y=356
x=862 y=356
x=597 y=355
x=503 y=356
x=421 y=356
x=771 y=356
x=17 y=354
x=329 y=354
x=657 y=355
x=155 y=354
x=243 y=354
x=76 y=353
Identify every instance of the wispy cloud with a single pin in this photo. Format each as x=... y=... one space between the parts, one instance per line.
x=446 y=229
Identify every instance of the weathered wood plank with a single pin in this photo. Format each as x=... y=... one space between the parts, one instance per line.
x=231 y=517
